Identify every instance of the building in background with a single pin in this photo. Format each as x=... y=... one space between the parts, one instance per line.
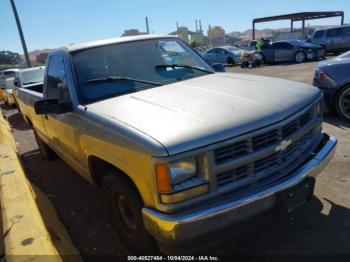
x=194 y=38
x=41 y=58
x=183 y=33
x=132 y=32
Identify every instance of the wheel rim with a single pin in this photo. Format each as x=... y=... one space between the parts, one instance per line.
x=344 y=103
x=300 y=57
x=122 y=208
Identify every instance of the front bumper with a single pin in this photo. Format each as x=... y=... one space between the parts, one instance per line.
x=316 y=54
x=175 y=229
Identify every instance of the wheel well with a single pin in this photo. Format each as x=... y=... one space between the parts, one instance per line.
x=99 y=168
x=340 y=89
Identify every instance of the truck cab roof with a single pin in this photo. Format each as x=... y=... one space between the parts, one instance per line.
x=81 y=46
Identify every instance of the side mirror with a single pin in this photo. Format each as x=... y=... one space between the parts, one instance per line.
x=16 y=83
x=219 y=67
x=51 y=106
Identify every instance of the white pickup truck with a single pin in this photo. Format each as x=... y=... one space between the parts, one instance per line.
x=181 y=151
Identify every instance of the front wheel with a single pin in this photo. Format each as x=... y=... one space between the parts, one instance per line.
x=230 y=62
x=342 y=103
x=300 y=57
x=125 y=207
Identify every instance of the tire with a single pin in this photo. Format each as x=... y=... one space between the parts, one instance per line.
x=342 y=103
x=300 y=57
x=230 y=62
x=125 y=206
x=45 y=151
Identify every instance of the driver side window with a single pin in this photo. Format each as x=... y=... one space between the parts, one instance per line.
x=56 y=80
x=280 y=46
x=221 y=52
x=213 y=51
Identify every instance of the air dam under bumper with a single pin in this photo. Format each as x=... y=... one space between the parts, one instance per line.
x=174 y=229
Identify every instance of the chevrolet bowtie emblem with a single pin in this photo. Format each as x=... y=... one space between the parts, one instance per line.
x=284 y=145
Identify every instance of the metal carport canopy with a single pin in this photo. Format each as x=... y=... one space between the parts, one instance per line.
x=299 y=17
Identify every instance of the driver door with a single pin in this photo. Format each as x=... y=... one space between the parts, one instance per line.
x=210 y=56
x=283 y=52
x=221 y=56
x=61 y=128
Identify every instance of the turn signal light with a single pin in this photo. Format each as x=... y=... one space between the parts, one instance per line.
x=322 y=75
x=162 y=178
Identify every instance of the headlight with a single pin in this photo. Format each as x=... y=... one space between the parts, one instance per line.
x=180 y=180
x=182 y=170
x=317 y=72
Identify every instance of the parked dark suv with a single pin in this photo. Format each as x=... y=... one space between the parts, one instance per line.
x=333 y=39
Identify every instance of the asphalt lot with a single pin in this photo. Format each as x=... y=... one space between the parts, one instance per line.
x=322 y=227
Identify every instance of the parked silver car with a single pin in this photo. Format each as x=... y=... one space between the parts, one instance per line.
x=292 y=51
x=333 y=78
x=224 y=55
x=333 y=39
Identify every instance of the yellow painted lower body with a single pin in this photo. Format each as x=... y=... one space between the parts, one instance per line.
x=11 y=100
x=33 y=229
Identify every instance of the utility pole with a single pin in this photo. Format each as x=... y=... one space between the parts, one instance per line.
x=147 y=25
x=29 y=64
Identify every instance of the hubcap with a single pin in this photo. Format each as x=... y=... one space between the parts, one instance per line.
x=121 y=206
x=300 y=57
x=345 y=103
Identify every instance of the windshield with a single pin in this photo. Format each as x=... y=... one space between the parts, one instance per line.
x=32 y=76
x=133 y=66
x=233 y=49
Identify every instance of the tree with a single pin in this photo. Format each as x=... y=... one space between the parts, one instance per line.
x=216 y=34
x=10 y=58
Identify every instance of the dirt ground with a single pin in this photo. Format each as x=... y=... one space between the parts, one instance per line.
x=322 y=227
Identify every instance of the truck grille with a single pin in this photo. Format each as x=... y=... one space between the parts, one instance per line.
x=302 y=132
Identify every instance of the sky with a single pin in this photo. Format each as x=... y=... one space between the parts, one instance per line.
x=56 y=23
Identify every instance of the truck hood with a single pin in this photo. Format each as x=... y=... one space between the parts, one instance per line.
x=204 y=110
x=308 y=45
x=334 y=62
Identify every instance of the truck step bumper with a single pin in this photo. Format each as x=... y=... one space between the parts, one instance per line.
x=175 y=229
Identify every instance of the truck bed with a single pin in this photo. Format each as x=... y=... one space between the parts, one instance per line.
x=38 y=88
x=29 y=95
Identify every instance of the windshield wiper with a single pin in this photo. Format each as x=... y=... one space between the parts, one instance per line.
x=184 y=66
x=33 y=82
x=119 y=78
